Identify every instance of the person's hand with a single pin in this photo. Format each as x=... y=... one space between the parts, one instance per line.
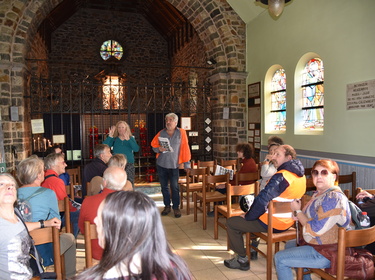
x=54 y=222
x=162 y=149
x=295 y=205
x=127 y=135
x=268 y=159
x=243 y=215
x=112 y=130
x=364 y=194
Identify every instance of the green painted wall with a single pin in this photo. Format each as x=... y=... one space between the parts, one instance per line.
x=342 y=33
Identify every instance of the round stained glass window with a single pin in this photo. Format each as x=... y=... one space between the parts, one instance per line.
x=111 y=48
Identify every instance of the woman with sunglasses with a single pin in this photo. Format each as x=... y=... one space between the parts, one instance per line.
x=320 y=218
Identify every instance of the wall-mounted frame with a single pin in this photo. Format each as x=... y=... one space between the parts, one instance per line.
x=186 y=123
x=253 y=90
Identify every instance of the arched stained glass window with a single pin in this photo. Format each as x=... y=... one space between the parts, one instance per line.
x=313 y=95
x=111 y=48
x=278 y=100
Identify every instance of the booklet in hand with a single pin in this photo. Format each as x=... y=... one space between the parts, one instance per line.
x=164 y=142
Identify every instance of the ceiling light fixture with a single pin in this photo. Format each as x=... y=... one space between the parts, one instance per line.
x=275 y=7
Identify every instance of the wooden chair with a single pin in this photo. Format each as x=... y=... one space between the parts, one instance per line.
x=232 y=209
x=90 y=233
x=64 y=207
x=308 y=172
x=70 y=190
x=211 y=164
x=94 y=186
x=75 y=175
x=370 y=191
x=48 y=235
x=233 y=164
x=349 y=179
x=279 y=208
x=207 y=196
x=246 y=176
x=347 y=238
x=194 y=183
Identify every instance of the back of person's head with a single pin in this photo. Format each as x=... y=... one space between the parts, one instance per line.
x=50 y=160
x=29 y=169
x=53 y=149
x=289 y=151
x=114 y=178
x=330 y=165
x=99 y=149
x=246 y=149
x=118 y=160
x=134 y=215
x=275 y=139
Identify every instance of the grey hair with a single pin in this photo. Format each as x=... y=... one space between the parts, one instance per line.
x=50 y=160
x=172 y=115
x=115 y=178
x=99 y=149
x=29 y=169
x=11 y=177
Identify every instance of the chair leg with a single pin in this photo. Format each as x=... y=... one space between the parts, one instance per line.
x=216 y=226
x=204 y=210
x=181 y=197
x=195 y=206
x=269 y=261
x=248 y=249
x=187 y=202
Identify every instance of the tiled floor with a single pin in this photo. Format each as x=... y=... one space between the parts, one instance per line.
x=203 y=254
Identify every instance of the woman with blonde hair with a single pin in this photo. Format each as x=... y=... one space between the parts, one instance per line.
x=119 y=160
x=121 y=141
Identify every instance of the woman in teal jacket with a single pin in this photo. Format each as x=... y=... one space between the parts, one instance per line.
x=121 y=140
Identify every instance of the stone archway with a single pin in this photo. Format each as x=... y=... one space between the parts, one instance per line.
x=217 y=25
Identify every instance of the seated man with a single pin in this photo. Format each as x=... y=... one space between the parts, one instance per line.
x=114 y=179
x=288 y=182
x=96 y=167
x=57 y=149
x=55 y=165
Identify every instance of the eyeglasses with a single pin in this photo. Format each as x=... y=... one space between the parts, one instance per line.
x=323 y=173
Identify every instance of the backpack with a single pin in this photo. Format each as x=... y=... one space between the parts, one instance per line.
x=357 y=215
x=24 y=206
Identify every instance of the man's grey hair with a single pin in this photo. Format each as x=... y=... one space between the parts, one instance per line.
x=115 y=178
x=99 y=149
x=50 y=160
x=172 y=115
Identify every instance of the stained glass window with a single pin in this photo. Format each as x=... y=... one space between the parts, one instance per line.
x=278 y=100
x=313 y=95
x=111 y=48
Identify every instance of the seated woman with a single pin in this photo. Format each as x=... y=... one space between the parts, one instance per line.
x=44 y=206
x=321 y=218
x=15 y=242
x=144 y=253
x=268 y=169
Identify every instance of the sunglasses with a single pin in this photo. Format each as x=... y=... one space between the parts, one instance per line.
x=323 y=173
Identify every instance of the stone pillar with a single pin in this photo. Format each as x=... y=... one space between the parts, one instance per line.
x=229 y=91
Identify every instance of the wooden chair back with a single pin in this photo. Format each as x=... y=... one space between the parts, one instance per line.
x=90 y=233
x=193 y=183
x=349 y=179
x=211 y=164
x=94 y=186
x=232 y=209
x=346 y=239
x=308 y=172
x=64 y=207
x=370 y=191
x=233 y=164
x=246 y=176
x=207 y=196
x=70 y=190
x=75 y=175
x=274 y=207
x=51 y=235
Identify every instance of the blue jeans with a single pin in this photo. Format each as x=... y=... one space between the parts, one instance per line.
x=74 y=216
x=293 y=256
x=168 y=175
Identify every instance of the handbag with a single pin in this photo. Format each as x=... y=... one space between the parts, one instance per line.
x=368 y=205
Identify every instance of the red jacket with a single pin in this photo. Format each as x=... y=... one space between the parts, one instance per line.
x=88 y=212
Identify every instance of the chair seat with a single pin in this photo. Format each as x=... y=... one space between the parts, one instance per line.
x=235 y=209
x=279 y=237
x=193 y=186
x=212 y=196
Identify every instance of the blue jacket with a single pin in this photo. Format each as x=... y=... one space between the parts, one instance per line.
x=275 y=187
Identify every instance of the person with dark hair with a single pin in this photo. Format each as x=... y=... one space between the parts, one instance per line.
x=134 y=241
x=321 y=218
x=268 y=168
x=44 y=206
x=289 y=182
x=275 y=139
x=122 y=141
x=58 y=150
x=55 y=165
x=169 y=161
x=102 y=154
x=15 y=242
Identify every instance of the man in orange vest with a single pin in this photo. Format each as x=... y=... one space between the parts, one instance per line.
x=172 y=150
x=288 y=182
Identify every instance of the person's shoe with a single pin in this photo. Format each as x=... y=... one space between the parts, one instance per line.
x=166 y=211
x=238 y=263
x=177 y=213
x=254 y=255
